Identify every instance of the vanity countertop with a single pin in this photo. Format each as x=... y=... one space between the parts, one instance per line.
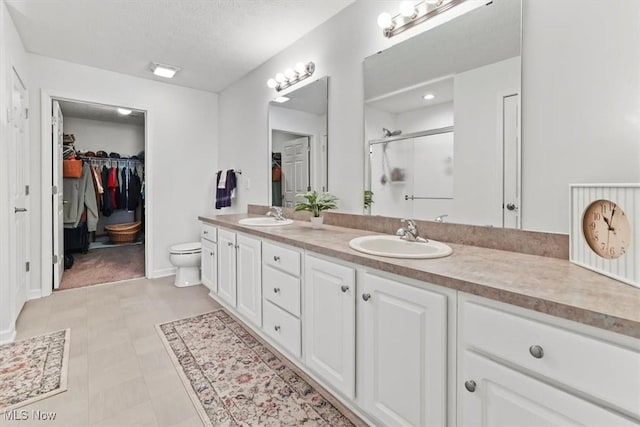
x=548 y=285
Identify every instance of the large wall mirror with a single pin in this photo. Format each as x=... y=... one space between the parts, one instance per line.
x=442 y=121
x=298 y=142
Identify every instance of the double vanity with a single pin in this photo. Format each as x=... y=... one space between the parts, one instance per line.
x=478 y=337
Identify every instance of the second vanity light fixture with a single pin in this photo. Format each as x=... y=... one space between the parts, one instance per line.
x=412 y=14
x=292 y=76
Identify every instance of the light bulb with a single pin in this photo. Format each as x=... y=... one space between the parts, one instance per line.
x=428 y=97
x=290 y=73
x=301 y=68
x=280 y=78
x=385 y=21
x=272 y=83
x=407 y=9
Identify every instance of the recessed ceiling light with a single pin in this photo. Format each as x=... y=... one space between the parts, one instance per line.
x=124 y=111
x=281 y=99
x=164 y=70
x=428 y=97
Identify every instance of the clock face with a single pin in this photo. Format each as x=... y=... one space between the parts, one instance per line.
x=606 y=229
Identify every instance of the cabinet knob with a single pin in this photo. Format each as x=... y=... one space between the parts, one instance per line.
x=276 y=290
x=276 y=258
x=366 y=297
x=229 y=244
x=276 y=328
x=344 y=288
x=205 y=232
x=212 y=254
x=470 y=385
x=536 y=351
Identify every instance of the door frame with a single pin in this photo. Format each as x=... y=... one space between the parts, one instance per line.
x=311 y=157
x=46 y=111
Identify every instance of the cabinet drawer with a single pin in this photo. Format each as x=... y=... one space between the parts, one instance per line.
x=281 y=289
x=603 y=370
x=287 y=260
x=209 y=232
x=282 y=327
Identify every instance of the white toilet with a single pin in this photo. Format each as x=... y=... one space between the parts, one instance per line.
x=186 y=258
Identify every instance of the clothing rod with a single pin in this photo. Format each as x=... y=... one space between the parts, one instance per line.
x=107 y=159
x=412 y=135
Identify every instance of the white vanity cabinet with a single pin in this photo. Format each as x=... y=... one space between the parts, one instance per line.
x=519 y=368
x=240 y=273
x=402 y=352
x=209 y=259
x=330 y=322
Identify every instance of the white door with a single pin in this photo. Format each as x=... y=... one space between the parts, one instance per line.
x=511 y=163
x=295 y=169
x=57 y=123
x=249 y=278
x=18 y=182
x=227 y=266
x=402 y=356
x=330 y=323
x=492 y=395
x=209 y=265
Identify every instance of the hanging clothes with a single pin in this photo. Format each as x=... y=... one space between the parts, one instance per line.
x=124 y=196
x=80 y=200
x=107 y=206
x=134 y=189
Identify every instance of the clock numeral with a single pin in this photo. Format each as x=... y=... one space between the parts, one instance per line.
x=604 y=207
x=592 y=225
x=622 y=250
x=596 y=235
x=596 y=216
x=602 y=245
x=612 y=251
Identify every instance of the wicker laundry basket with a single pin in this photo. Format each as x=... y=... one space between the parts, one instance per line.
x=123 y=233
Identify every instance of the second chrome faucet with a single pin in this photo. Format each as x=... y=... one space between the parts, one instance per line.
x=410 y=232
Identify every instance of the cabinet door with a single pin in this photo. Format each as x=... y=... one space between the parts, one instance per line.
x=402 y=367
x=329 y=322
x=504 y=397
x=227 y=266
x=209 y=265
x=249 y=278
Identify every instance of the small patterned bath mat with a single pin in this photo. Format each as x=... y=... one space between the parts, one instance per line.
x=233 y=378
x=33 y=369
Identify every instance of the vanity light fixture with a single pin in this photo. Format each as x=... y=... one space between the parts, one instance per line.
x=412 y=14
x=124 y=111
x=428 y=97
x=291 y=76
x=163 y=70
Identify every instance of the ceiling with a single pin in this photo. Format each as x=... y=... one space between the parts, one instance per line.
x=413 y=97
x=104 y=113
x=214 y=42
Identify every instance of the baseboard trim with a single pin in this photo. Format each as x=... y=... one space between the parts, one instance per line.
x=8 y=335
x=34 y=294
x=162 y=273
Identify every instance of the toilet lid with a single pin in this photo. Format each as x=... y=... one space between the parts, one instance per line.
x=185 y=248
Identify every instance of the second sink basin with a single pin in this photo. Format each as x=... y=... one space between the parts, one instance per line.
x=264 y=221
x=395 y=247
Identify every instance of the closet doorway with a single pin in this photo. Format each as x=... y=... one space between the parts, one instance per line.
x=99 y=201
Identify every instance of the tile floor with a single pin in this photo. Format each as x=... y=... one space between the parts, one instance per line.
x=119 y=371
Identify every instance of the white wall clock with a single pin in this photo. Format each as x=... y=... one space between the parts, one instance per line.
x=605 y=229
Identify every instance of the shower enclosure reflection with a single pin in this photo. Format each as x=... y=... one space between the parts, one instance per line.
x=298 y=142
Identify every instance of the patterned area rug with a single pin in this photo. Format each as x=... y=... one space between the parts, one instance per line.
x=33 y=369
x=235 y=379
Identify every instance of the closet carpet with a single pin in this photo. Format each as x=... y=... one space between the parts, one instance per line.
x=104 y=266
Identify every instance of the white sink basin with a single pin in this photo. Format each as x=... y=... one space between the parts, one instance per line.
x=264 y=221
x=395 y=247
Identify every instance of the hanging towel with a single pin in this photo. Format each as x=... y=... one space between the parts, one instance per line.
x=223 y=178
x=223 y=195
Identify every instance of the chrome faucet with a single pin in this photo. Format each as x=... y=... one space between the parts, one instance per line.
x=276 y=212
x=440 y=218
x=410 y=232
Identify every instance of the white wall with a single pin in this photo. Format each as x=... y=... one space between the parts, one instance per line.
x=94 y=135
x=181 y=152
x=581 y=102
x=564 y=125
x=12 y=55
x=477 y=150
x=426 y=118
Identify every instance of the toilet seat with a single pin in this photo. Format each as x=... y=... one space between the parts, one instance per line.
x=186 y=248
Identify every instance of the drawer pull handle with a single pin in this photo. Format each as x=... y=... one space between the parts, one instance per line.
x=470 y=386
x=276 y=328
x=205 y=232
x=229 y=244
x=536 y=351
x=366 y=297
x=212 y=254
x=344 y=288
x=276 y=290
x=276 y=258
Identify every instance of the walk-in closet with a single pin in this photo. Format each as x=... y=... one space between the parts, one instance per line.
x=99 y=225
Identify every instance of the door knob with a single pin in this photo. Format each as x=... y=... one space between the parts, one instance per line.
x=276 y=258
x=276 y=328
x=366 y=297
x=536 y=351
x=276 y=290
x=511 y=207
x=344 y=288
x=16 y=210
x=470 y=386
x=229 y=244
